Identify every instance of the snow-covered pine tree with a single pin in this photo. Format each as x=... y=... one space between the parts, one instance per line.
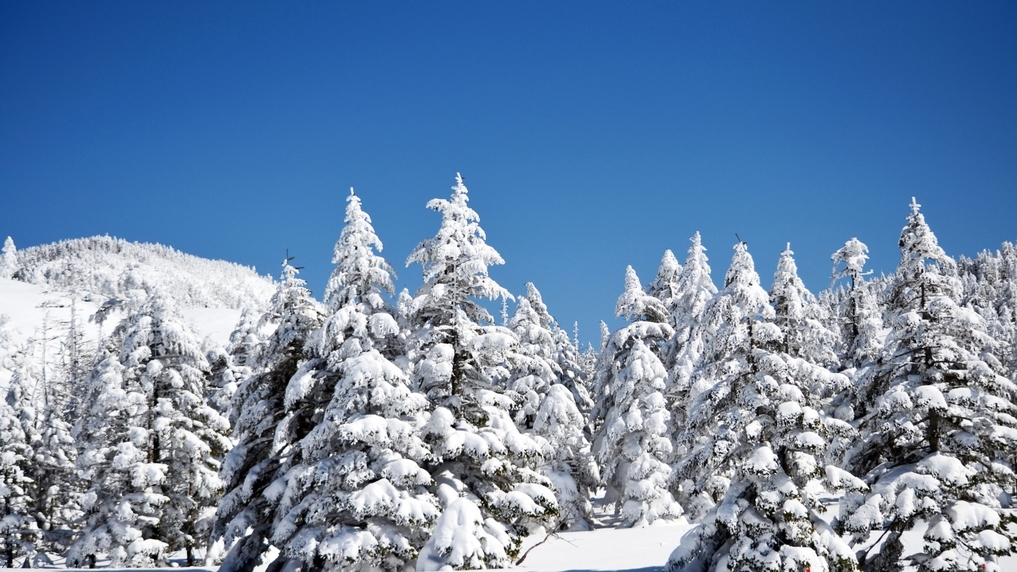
x=232 y=365
x=735 y=324
x=632 y=442
x=565 y=352
x=862 y=320
x=752 y=452
x=695 y=290
x=990 y=289
x=247 y=516
x=8 y=259
x=18 y=532
x=54 y=486
x=122 y=505
x=356 y=496
x=188 y=435
x=548 y=406
x=532 y=377
x=684 y=350
x=665 y=286
x=938 y=434
x=484 y=468
x=154 y=483
x=801 y=319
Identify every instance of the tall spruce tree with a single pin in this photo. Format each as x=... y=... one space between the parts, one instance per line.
x=247 y=515
x=547 y=406
x=356 y=496
x=484 y=468
x=938 y=432
x=632 y=442
x=861 y=321
x=753 y=450
x=122 y=503
x=54 y=487
x=801 y=319
x=152 y=459
x=18 y=532
x=685 y=348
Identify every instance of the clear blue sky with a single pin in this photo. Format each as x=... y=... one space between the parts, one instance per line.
x=592 y=135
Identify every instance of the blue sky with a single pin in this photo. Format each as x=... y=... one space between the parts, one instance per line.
x=592 y=135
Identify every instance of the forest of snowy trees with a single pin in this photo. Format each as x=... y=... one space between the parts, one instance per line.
x=376 y=430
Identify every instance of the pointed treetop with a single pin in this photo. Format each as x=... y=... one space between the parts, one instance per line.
x=668 y=271
x=787 y=261
x=461 y=193
x=460 y=247
x=918 y=243
x=635 y=304
x=742 y=269
x=853 y=254
x=788 y=292
x=537 y=303
x=289 y=273
x=360 y=273
x=631 y=279
x=696 y=260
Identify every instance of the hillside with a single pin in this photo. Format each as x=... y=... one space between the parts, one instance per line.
x=96 y=265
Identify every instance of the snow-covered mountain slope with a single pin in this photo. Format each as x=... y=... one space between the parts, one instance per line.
x=36 y=319
x=95 y=266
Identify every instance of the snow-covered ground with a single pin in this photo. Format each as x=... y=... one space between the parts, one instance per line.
x=629 y=549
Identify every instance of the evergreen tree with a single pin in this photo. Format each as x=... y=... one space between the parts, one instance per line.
x=665 y=286
x=123 y=502
x=356 y=496
x=990 y=289
x=736 y=323
x=799 y=316
x=54 y=486
x=8 y=259
x=17 y=527
x=562 y=350
x=153 y=447
x=752 y=453
x=937 y=426
x=861 y=323
x=695 y=290
x=685 y=348
x=632 y=442
x=482 y=465
x=547 y=406
x=247 y=516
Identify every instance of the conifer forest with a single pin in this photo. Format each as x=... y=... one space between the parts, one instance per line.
x=868 y=427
